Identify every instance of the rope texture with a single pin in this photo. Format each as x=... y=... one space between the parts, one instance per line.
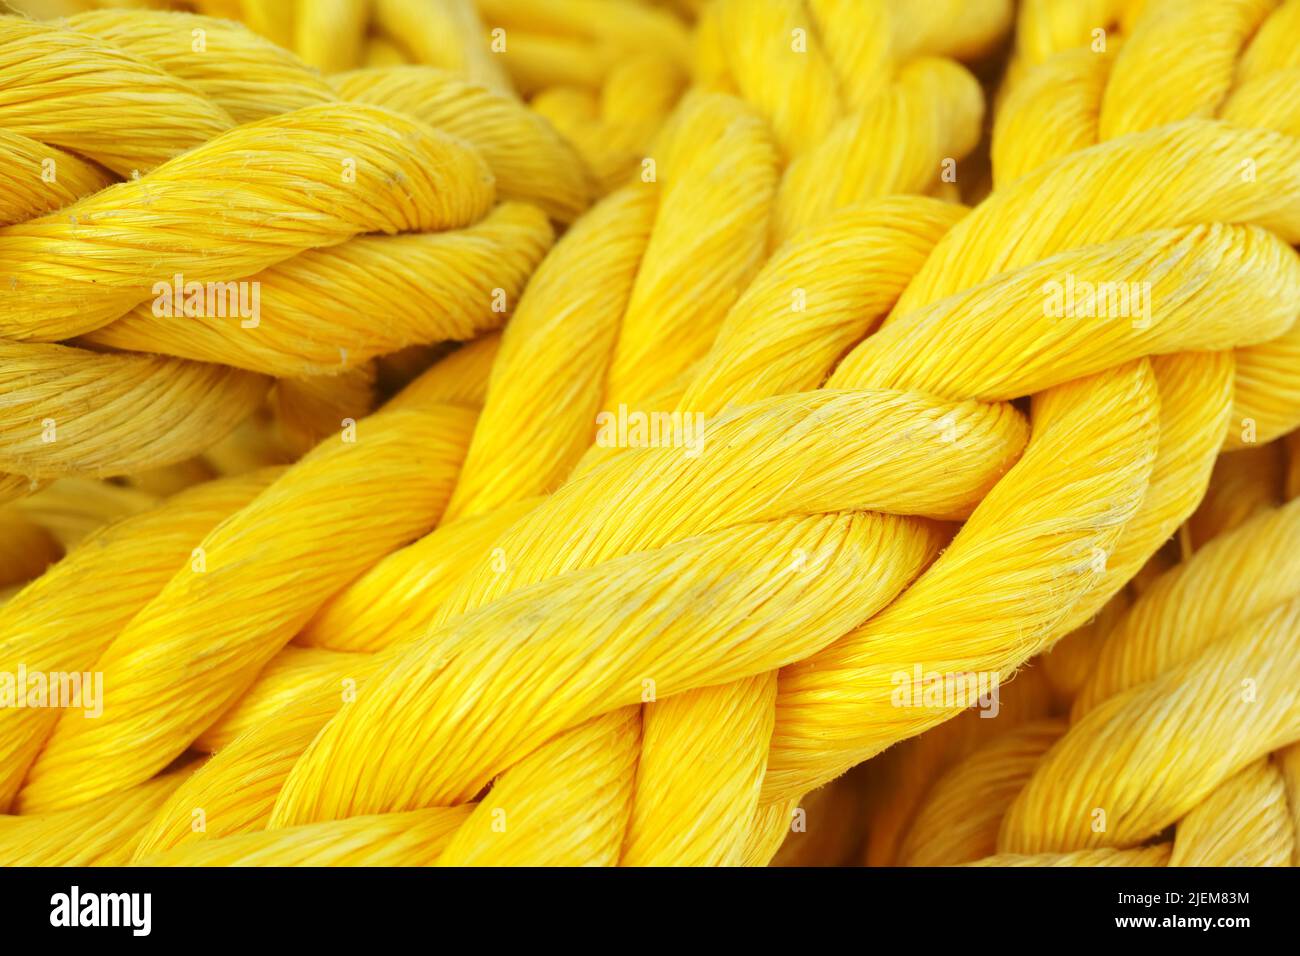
x=459 y=628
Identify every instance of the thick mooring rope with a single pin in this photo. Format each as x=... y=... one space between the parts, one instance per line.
x=1020 y=408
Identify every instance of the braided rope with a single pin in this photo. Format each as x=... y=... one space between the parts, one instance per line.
x=466 y=630
x=1170 y=659
x=361 y=198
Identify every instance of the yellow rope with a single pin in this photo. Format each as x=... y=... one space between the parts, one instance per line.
x=467 y=627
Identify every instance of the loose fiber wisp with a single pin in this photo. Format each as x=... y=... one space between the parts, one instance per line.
x=650 y=433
